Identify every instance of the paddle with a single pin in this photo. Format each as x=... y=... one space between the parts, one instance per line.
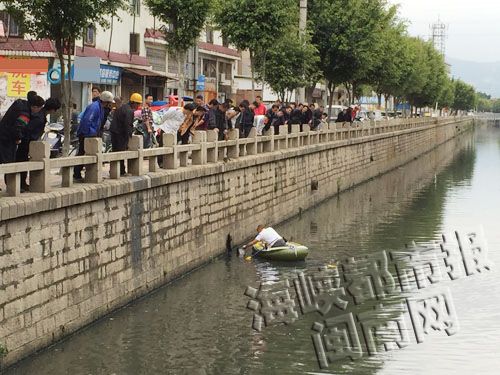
x=241 y=251
x=249 y=257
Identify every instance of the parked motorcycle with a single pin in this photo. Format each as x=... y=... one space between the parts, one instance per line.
x=54 y=136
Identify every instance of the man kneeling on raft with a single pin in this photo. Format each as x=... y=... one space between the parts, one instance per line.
x=267 y=235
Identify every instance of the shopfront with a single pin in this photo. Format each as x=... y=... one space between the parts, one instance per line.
x=16 y=82
x=143 y=82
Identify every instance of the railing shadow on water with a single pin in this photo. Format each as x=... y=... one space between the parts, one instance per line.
x=205 y=149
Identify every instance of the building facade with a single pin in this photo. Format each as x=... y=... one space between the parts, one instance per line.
x=131 y=55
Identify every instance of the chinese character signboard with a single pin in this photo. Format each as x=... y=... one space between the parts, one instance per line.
x=200 y=84
x=18 y=84
x=110 y=75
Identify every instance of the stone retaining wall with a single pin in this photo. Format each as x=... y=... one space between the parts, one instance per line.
x=71 y=256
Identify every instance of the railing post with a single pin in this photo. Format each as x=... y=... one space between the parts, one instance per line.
x=252 y=147
x=212 y=151
x=136 y=165
x=199 y=157
x=283 y=132
x=93 y=172
x=40 y=180
x=153 y=164
x=170 y=160
x=268 y=145
x=13 y=181
x=312 y=137
x=114 y=169
x=295 y=141
x=233 y=151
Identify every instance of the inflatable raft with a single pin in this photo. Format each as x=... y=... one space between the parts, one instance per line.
x=291 y=252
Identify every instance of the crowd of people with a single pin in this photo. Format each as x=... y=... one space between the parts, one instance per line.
x=223 y=116
x=25 y=121
x=22 y=123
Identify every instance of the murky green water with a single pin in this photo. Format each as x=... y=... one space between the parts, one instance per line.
x=200 y=324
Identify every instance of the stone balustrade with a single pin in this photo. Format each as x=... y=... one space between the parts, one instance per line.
x=204 y=149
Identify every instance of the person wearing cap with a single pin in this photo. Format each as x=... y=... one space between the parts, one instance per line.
x=122 y=126
x=90 y=125
x=33 y=132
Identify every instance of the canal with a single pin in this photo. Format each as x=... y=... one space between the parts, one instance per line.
x=200 y=323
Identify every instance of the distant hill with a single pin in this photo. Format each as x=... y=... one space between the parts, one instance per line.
x=485 y=77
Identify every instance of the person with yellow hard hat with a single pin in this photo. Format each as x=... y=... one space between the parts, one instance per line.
x=122 y=126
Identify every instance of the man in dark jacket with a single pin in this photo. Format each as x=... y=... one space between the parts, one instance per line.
x=218 y=120
x=13 y=124
x=246 y=119
x=33 y=132
x=122 y=126
x=316 y=117
x=295 y=117
x=342 y=116
x=271 y=115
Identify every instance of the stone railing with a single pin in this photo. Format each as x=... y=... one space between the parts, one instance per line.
x=204 y=149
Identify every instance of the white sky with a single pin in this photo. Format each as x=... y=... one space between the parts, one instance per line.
x=473 y=26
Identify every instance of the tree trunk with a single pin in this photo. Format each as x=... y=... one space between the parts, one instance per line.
x=281 y=96
x=385 y=106
x=181 y=63
x=66 y=96
x=348 y=88
x=253 y=75
x=331 y=90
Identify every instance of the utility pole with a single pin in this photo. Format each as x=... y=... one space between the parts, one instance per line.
x=301 y=92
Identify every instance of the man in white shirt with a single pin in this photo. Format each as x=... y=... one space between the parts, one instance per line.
x=267 y=235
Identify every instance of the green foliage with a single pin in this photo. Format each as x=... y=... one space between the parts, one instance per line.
x=447 y=97
x=484 y=104
x=483 y=95
x=347 y=34
x=465 y=96
x=186 y=17
x=61 y=21
x=290 y=63
x=495 y=106
x=255 y=25
x=387 y=75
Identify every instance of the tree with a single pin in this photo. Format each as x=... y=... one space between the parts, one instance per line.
x=388 y=74
x=496 y=106
x=62 y=22
x=255 y=25
x=346 y=34
x=417 y=71
x=483 y=95
x=483 y=104
x=435 y=79
x=465 y=96
x=289 y=65
x=447 y=97
x=186 y=19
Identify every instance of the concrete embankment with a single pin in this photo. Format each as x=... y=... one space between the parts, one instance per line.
x=70 y=256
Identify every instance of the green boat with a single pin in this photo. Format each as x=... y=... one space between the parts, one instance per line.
x=291 y=252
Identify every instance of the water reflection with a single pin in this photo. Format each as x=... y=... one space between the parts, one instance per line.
x=200 y=324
